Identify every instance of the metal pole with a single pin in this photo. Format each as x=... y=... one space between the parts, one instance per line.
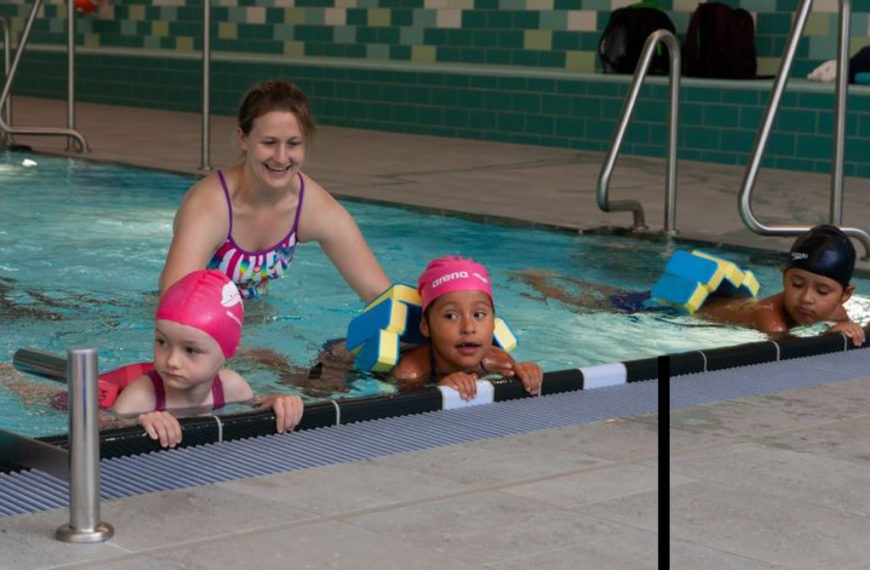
x=84 y=442
x=749 y=178
x=41 y=363
x=7 y=86
x=7 y=66
x=842 y=86
x=71 y=69
x=603 y=192
x=205 y=164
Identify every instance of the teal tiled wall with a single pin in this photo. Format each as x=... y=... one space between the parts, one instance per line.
x=507 y=70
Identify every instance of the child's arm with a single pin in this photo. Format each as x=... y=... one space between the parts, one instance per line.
x=288 y=409
x=137 y=398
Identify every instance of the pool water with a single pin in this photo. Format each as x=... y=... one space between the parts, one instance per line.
x=82 y=245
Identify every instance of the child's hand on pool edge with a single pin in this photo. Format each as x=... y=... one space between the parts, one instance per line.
x=161 y=426
x=462 y=382
x=530 y=375
x=288 y=410
x=851 y=330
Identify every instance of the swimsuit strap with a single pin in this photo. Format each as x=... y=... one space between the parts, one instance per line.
x=217 y=393
x=159 y=391
x=230 y=202
x=295 y=227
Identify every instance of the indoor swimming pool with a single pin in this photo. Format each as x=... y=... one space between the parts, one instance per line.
x=82 y=245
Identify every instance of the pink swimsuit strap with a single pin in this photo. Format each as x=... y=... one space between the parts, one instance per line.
x=217 y=392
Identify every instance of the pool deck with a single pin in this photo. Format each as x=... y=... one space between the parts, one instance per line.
x=769 y=481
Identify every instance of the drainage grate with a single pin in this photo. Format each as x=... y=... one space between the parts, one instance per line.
x=33 y=491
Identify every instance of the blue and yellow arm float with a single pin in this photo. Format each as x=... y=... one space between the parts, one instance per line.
x=392 y=318
x=691 y=277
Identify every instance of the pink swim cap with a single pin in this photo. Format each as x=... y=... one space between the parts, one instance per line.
x=209 y=301
x=448 y=274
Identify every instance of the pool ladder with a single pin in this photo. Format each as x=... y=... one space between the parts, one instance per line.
x=745 y=199
x=836 y=203
x=636 y=208
x=6 y=130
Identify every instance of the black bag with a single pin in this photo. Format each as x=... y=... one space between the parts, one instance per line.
x=720 y=42
x=627 y=30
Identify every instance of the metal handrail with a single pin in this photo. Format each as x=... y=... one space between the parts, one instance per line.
x=604 y=203
x=6 y=108
x=205 y=164
x=80 y=465
x=69 y=132
x=749 y=179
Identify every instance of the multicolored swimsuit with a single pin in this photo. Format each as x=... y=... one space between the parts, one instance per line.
x=252 y=270
x=217 y=392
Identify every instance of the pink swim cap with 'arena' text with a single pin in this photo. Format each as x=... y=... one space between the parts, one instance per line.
x=449 y=274
x=209 y=301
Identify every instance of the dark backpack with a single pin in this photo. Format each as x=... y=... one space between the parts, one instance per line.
x=627 y=30
x=720 y=42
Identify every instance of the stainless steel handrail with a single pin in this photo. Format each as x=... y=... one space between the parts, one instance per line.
x=6 y=108
x=752 y=168
x=604 y=202
x=25 y=35
x=205 y=164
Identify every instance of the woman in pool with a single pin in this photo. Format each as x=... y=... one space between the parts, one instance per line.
x=247 y=220
x=197 y=327
x=459 y=321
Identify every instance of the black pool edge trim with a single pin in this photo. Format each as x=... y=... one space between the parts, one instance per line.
x=133 y=440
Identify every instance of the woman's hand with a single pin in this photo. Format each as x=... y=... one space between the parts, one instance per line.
x=462 y=382
x=288 y=410
x=161 y=426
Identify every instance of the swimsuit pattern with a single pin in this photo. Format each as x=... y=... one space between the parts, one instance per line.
x=252 y=270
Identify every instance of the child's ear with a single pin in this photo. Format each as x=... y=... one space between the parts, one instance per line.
x=424 y=327
x=847 y=293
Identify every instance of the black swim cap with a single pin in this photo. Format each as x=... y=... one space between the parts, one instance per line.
x=824 y=250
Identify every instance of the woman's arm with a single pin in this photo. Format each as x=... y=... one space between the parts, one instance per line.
x=201 y=225
x=326 y=221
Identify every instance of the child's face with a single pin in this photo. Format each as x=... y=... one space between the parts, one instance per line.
x=460 y=327
x=185 y=356
x=809 y=297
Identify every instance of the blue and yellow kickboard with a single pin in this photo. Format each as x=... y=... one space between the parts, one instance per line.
x=397 y=292
x=389 y=314
x=392 y=318
x=380 y=353
x=690 y=278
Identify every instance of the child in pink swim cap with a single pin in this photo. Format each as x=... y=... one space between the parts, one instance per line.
x=197 y=327
x=459 y=321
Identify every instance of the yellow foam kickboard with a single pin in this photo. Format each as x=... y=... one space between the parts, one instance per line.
x=750 y=283
x=398 y=292
x=380 y=353
x=504 y=336
x=730 y=271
